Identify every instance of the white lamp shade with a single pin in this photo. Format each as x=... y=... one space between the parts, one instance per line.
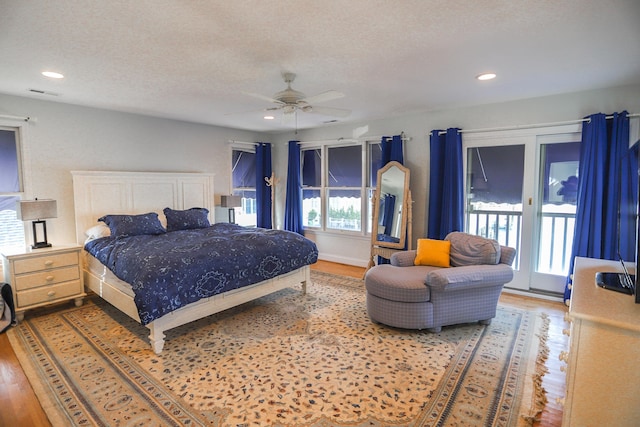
x=28 y=210
x=230 y=201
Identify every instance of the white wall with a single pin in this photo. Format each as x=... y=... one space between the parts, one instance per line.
x=418 y=126
x=67 y=137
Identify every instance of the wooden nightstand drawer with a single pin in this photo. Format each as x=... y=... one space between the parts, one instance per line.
x=36 y=263
x=47 y=277
x=43 y=276
x=47 y=294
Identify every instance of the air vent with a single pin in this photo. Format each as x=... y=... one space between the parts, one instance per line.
x=43 y=92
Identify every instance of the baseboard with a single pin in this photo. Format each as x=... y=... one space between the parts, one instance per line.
x=342 y=260
x=532 y=294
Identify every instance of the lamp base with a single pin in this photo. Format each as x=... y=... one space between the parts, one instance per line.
x=40 y=245
x=36 y=243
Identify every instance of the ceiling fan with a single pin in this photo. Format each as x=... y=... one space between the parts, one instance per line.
x=290 y=100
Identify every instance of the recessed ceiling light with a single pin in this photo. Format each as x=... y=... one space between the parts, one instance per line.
x=52 y=74
x=269 y=117
x=486 y=76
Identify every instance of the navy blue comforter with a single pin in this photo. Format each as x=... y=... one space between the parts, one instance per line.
x=171 y=270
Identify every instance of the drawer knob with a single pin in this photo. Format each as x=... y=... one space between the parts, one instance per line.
x=51 y=293
x=567 y=317
x=48 y=263
x=566 y=332
x=49 y=278
x=564 y=356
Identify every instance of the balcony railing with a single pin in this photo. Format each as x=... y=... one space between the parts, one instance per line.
x=556 y=239
x=503 y=226
x=556 y=236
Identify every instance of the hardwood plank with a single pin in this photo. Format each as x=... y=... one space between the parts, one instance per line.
x=19 y=404
x=336 y=268
x=554 y=380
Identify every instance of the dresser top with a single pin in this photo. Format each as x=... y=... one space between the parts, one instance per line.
x=28 y=250
x=592 y=303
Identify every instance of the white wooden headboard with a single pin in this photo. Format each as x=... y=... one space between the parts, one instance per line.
x=97 y=193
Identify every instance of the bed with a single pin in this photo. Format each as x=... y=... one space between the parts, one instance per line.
x=149 y=195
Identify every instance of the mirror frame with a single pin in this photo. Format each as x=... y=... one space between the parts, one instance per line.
x=376 y=207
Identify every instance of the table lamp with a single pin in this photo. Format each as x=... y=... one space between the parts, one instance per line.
x=37 y=211
x=231 y=202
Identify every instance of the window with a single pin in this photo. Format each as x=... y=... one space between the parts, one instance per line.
x=243 y=173
x=312 y=187
x=11 y=228
x=344 y=188
x=335 y=178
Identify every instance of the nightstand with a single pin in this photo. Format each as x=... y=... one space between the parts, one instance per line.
x=40 y=277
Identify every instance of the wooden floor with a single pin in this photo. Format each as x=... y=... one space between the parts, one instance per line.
x=19 y=404
x=20 y=407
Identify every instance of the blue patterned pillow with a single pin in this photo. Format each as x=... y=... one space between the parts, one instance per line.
x=186 y=220
x=133 y=225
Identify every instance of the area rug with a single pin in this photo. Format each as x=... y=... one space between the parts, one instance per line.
x=288 y=359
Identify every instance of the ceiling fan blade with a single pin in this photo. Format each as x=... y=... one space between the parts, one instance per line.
x=263 y=97
x=330 y=111
x=323 y=97
x=254 y=111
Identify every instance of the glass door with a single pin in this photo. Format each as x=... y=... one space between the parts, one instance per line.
x=520 y=191
x=555 y=211
x=494 y=189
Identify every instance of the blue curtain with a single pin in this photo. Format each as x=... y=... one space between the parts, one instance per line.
x=263 y=191
x=293 y=204
x=603 y=149
x=446 y=192
x=392 y=150
x=389 y=204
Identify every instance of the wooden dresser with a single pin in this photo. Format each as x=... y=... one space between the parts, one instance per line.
x=43 y=276
x=603 y=361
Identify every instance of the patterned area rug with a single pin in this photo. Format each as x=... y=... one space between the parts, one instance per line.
x=287 y=359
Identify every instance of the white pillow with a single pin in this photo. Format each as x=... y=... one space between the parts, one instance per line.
x=97 y=231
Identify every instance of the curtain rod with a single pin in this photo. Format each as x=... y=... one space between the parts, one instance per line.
x=233 y=141
x=376 y=138
x=531 y=126
x=367 y=139
x=253 y=144
x=24 y=119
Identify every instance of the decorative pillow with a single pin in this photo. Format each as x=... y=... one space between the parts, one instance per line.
x=186 y=220
x=97 y=231
x=469 y=249
x=133 y=225
x=432 y=252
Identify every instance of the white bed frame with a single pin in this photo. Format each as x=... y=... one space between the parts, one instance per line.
x=98 y=193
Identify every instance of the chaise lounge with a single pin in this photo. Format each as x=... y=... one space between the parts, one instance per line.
x=427 y=296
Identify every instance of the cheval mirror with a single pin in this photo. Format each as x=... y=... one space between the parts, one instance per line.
x=391 y=226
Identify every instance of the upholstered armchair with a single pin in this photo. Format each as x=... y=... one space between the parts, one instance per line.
x=405 y=295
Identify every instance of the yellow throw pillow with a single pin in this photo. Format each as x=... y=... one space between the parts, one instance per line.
x=433 y=252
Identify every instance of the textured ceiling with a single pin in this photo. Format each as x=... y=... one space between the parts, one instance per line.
x=193 y=60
